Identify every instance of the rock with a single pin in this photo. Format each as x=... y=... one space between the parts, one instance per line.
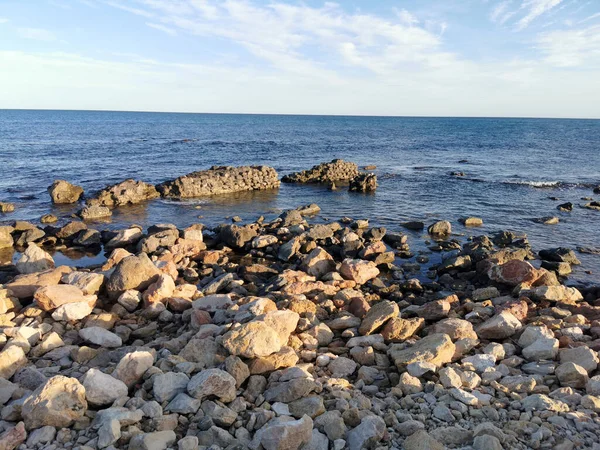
x=471 y=221
x=336 y=170
x=533 y=333
x=130 y=299
x=90 y=283
x=94 y=212
x=33 y=260
x=499 y=327
x=128 y=192
x=286 y=357
x=441 y=228
x=487 y=442
x=44 y=435
x=421 y=440
x=318 y=263
x=546 y=348
x=283 y=433
x=109 y=433
x=252 y=340
x=62 y=191
x=237 y=236
x=188 y=443
x=212 y=382
x=6 y=207
x=51 y=297
x=455 y=328
x=436 y=349
x=571 y=375
x=377 y=316
x=514 y=272
x=358 y=270
x=101 y=337
x=102 y=389
x=160 y=290
x=541 y=402
x=13 y=437
x=371 y=430
x=132 y=367
x=221 y=180
x=342 y=367
x=132 y=272
x=72 y=312
x=6 y=239
x=157 y=440
x=582 y=356
x=557 y=294
x=58 y=403
x=167 y=385
x=398 y=329
x=12 y=358
x=48 y=218
x=363 y=182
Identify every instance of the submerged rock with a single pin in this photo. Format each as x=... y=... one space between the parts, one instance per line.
x=63 y=192
x=128 y=192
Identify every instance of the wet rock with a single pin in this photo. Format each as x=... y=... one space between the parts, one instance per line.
x=441 y=228
x=34 y=260
x=57 y=403
x=336 y=170
x=471 y=221
x=62 y=191
x=94 y=212
x=364 y=182
x=128 y=192
x=6 y=207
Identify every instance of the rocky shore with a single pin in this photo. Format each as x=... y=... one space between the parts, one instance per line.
x=293 y=335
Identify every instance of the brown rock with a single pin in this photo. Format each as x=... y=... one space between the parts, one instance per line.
x=49 y=298
x=133 y=272
x=62 y=191
x=514 y=272
x=398 y=329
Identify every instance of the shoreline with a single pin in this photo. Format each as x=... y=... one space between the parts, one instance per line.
x=318 y=332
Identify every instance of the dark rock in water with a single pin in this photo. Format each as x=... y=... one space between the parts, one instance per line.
x=597 y=190
x=592 y=205
x=440 y=228
x=364 y=182
x=371 y=167
x=6 y=207
x=128 y=192
x=336 y=170
x=568 y=207
x=413 y=225
x=49 y=218
x=457 y=174
x=550 y=220
x=94 y=212
x=291 y=217
x=70 y=230
x=463 y=161
x=309 y=210
x=559 y=254
x=553 y=198
x=471 y=221
x=561 y=268
x=220 y=180
x=589 y=250
x=63 y=192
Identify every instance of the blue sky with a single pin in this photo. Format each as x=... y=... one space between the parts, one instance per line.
x=534 y=58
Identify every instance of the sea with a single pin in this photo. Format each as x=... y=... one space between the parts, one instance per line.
x=514 y=170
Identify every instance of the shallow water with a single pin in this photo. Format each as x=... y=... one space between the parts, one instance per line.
x=512 y=168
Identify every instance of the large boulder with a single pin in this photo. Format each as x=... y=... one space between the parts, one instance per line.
x=58 y=403
x=336 y=170
x=25 y=286
x=221 y=180
x=62 y=191
x=514 y=272
x=128 y=192
x=133 y=272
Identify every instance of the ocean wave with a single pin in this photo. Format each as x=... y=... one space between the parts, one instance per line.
x=535 y=184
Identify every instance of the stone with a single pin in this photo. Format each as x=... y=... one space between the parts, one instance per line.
x=132 y=272
x=6 y=207
x=212 y=382
x=371 y=430
x=436 y=349
x=128 y=192
x=252 y=340
x=311 y=406
x=363 y=182
x=557 y=294
x=58 y=403
x=541 y=402
x=284 y=433
x=12 y=358
x=377 y=316
x=102 y=389
x=33 y=260
x=130 y=299
x=514 y=272
x=342 y=367
x=72 y=312
x=6 y=239
x=167 y=385
x=472 y=221
x=501 y=326
x=132 y=367
x=571 y=375
x=358 y=270
x=188 y=443
x=157 y=440
x=44 y=435
x=487 y=442
x=94 y=212
x=101 y=337
x=545 y=348
x=109 y=433
x=90 y=283
x=440 y=228
x=13 y=437
x=286 y=357
x=160 y=290
x=51 y=297
x=283 y=322
x=582 y=356
x=421 y=440
x=398 y=329
x=455 y=328
x=318 y=263
x=336 y=170
x=532 y=333
x=63 y=192
x=221 y=180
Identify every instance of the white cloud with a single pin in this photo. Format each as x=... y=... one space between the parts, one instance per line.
x=572 y=48
x=38 y=34
x=162 y=28
x=3 y=20
x=130 y=9
x=535 y=9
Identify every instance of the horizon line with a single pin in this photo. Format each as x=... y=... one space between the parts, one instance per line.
x=301 y=114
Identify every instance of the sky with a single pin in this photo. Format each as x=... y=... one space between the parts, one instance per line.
x=493 y=58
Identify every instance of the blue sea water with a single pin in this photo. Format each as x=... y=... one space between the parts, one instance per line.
x=512 y=168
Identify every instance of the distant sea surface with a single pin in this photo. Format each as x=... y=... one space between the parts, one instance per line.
x=512 y=168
